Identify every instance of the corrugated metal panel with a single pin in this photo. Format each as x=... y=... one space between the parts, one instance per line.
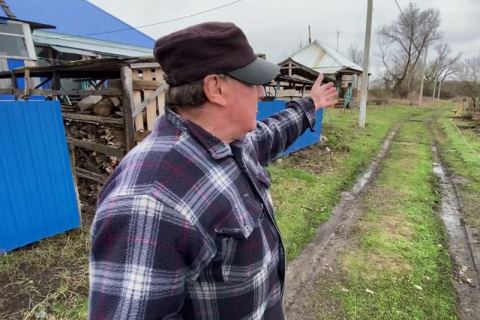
x=266 y=109
x=37 y=195
x=79 y=18
x=52 y=39
x=320 y=56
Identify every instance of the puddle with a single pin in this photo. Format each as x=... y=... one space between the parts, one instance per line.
x=368 y=176
x=467 y=281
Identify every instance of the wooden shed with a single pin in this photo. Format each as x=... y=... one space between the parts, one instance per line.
x=102 y=123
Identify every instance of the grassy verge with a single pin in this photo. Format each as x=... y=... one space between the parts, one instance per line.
x=306 y=186
x=456 y=146
x=400 y=266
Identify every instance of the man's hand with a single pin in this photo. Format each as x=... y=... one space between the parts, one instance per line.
x=323 y=95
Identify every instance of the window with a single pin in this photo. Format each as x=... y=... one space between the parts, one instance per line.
x=16 y=41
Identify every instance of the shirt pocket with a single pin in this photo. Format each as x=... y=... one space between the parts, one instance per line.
x=240 y=245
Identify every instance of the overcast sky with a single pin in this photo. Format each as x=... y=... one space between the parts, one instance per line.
x=275 y=27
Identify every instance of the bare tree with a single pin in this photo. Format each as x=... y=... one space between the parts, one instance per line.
x=468 y=77
x=442 y=67
x=355 y=54
x=403 y=41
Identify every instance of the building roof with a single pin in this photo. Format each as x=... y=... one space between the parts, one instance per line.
x=78 y=18
x=324 y=59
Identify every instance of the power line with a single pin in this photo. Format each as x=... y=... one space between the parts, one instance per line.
x=399 y=8
x=151 y=24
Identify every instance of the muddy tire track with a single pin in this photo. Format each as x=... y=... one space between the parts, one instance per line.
x=320 y=254
x=463 y=246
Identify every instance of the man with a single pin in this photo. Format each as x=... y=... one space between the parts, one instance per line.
x=185 y=228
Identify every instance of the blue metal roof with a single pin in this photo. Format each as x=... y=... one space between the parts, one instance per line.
x=37 y=194
x=78 y=18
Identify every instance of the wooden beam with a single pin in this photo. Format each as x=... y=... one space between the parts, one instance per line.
x=71 y=155
x=116 y=152
x=145 y=65
x=43 y=82
x=26 y=82
x=98 y=85
x=146 y=84
x=115 y=122
x=152 y=97
x=56 y=83
x=126 y=75
x=82 y=173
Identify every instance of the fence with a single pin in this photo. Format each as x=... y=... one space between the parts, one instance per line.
x=266 y=109
x=37 y=195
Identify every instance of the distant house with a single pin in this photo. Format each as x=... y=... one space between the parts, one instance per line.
x=49 y=32
x=326 y=60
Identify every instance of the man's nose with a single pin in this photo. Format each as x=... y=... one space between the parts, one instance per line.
x=260 y=92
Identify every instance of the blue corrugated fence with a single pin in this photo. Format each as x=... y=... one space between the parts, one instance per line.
x=37 y=195
x=266 y=109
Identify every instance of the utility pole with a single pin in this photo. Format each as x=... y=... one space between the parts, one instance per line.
x=366 y=58
x=423 y=74
x=309 y=35
x=338 y=37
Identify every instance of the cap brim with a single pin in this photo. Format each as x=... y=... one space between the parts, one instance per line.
x=258 y=72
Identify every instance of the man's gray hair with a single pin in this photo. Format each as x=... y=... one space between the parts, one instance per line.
x=189 y=95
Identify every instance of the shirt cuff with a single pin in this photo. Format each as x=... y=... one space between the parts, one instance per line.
x=309 y=108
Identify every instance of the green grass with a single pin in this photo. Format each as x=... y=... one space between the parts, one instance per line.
x=302 y=198
x=53 y=274
x=401 y=243
x=457 y=151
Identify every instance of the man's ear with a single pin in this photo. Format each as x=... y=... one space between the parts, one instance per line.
x=215 y=89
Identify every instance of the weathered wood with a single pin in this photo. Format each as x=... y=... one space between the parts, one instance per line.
x=98 y=85
x=145 y=65
x=93 y=119
x=152 y=106
x=116 y=152
x=104 y=108
x=43 y=82
x=145 y=102
x=137 y=101
x=56 y=84
x=140 y=135
x=26 y=82
x=89 y=102
x=82 y=173
x=161 y=96
x=126 y=74
x=146 y=84
x=71 y=155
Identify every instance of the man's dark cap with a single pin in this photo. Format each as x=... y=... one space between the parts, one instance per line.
x=209 y=48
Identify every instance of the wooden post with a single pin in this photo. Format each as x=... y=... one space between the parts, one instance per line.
x=56 y=81
x=71 y=155
x=26 y=77
x=127 y=84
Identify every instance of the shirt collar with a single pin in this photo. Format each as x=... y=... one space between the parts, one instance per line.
x=214 y=146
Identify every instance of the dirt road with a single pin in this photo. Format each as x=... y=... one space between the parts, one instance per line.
x=385 y=253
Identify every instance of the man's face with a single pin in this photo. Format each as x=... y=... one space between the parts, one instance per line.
x=242 y=104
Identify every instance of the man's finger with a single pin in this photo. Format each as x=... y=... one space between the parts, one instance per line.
x=331 y=95
x=332 y=103
x=319 y=80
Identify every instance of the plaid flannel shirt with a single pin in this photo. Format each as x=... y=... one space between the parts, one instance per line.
x=185 y=226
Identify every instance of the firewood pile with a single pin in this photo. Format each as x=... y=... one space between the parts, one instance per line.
x=90 y=160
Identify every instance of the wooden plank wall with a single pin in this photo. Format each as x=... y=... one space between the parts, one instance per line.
x=145 y=121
